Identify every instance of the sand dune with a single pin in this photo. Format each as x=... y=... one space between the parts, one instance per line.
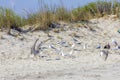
x=85 y=63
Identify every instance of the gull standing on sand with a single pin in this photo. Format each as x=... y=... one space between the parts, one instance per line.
x=98 y=46
x=76 y=41
x=84 y=46
x=104 y=54
x=70 y=53
x=53 y=47
x=59 y=50
x=114 y=42
x=35 y=50
x=72 y=49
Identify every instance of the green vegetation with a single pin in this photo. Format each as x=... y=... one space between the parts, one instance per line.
x=8 y=18
x=96 y=9
x=46 y=14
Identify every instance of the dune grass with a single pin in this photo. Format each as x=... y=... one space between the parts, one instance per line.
x=47 y=14
x=96 y=9
x=8 y=18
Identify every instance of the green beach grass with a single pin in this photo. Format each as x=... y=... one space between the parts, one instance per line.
x=46 y=14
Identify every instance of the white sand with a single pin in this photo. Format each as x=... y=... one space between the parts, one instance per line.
x=85 y=64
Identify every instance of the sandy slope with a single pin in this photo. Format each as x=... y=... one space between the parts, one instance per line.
x=84 y=64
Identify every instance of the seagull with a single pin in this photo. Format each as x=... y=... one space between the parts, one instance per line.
x=51 y=46
x=98 y=46
x=73 y=45
x=71 y=51
x=114 y=42
x=104 y=54
x=107 y=46
x=116 y=48
x=63 y=54
x=76 y=41
x=60 y=51
x=35 y=51
x=56 y=49
x=66 y=54
x=84 y=46
x=64 y=43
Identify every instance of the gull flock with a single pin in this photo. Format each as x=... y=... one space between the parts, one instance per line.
x=36 y=50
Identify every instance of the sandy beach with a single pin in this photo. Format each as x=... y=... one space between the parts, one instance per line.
x=85 y=63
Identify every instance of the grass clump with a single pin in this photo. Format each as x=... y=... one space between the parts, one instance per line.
x=96 y=9
x=47 y=15
x=84 y=13
x=8 y=18
x=62 y=14
x=42 y=18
